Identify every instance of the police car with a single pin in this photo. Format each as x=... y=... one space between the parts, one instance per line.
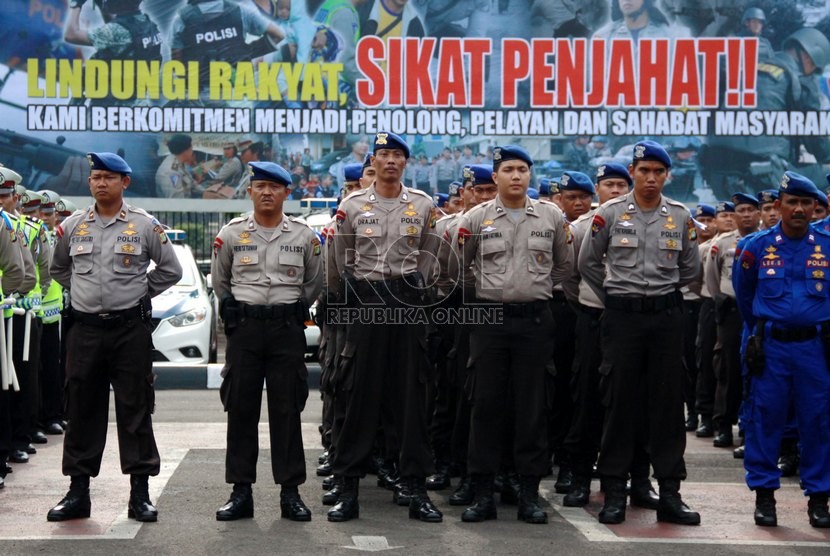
x=184 y=316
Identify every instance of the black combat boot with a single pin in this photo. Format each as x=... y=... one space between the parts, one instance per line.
x=388 y=476
x=140 y=508
x=420 y=506
x=706 y=428
x=691 y=422
x=347 y=506
x=76 y=504
x=463 y=495
x=529 y=509
x=765 y=515
x=239 y=506
x=613 y=510
x=789 y=459
x=485 y=506
x=671 y=508
x=724 y=437
x=564 y=479
x=292 y=505
x=331 y=497
x=580 y=492
x=441 y=479
x=642 y=494
x=510 y=488
x=402 y=494
x=818 y=512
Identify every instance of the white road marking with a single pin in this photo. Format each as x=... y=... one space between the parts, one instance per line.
x=367 y=543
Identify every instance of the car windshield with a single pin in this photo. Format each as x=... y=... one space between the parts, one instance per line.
x=188 y=266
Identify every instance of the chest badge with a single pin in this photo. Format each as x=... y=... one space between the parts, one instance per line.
x=366 y=208
x=818 y=274
x=128 y=248
x=671 y=244
x=410 y=210
x=245 y=260
x=79 y=249
x=669 y=225
x=291 y=272
x=625 y=217
x=624 y=241
x=770 y=272
x=368 y=231
x=771 y=256
x=412 y=230
x=487 y=222
x=488 y=229
x=130 y=231
x=244 y=238
x=128 y=261
x=818 y=255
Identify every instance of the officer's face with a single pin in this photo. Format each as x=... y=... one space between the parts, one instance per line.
x=350 y=187
x=576 y=203
x=711 y=228
x=455 y=205
x=796 y=213
x=725 y=222
x=512 y=179
x=819 y=213
x=484 y=192
x=611 y=188
x=268 y=196
x=747 y=216
x=107 y=186
x=755 y=26
x=9 y=202
x=769 y=215
x=50 y=218
x=389 y=164
x=468 y=195
x=368 y=176
x=649 y=178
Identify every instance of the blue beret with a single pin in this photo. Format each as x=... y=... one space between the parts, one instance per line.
x=389 y=140
x=455 y=189
x=533 y=193
x=544 y=186
x=441 y=199
x=353 y=172
x=510 y=152
x=554 y=186
x=744 y=199
x=576 y=181
x=651 y=150
x=613 y=170
x=822 y=199
x=724 y=206
x=367 y=161
x=767 y=196
x=466 y=173
x=482 y=173
x=269 y=171
x=108 y=161
x=704 y=210
x=794 y=183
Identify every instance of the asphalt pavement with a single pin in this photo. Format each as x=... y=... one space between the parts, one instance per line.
x=190 y=429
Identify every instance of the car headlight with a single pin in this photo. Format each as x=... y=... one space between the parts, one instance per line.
x=194 y=316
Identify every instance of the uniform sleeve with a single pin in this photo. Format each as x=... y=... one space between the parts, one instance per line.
x=591 y=263
x=445 y=253
x=465 y=248
x=220 y=265
x=313 y=273
x=689 y=263
x=44 y=257
x=563 y=254
x=711 y=270
x=570 y=285
x=29 y=276
x=168 y=271
x=343 y=246
x=428 y=247
x=61 y=266
x=745 y=282
x=11 y=262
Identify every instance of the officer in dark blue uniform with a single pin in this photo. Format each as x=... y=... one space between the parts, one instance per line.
x=781 y=285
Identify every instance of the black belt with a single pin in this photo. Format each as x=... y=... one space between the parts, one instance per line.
x=108 y=320
x=382 y=288
x=559 y=297
x=590 y=311
x=271 y=312
x=644 y=304
x=794 y=334
x=529 y=309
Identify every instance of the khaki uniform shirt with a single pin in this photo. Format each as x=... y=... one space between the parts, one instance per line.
x=11 y=258
x=515 y=261
x=574 y=286
x=440 y=274
x=267 y=267
x=27 y=256
x=173 y=180
x=717 y=273
x=104 y=264
x=647 y=253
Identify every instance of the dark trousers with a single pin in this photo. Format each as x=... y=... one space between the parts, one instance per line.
x=383 y=370
x=561 y=405
x=443 y=395
x=98 y=357
x=706 y=339
x=461 y=426
x=508 y=381
x=26 y=402
x=583 y=440
x=51 y=379
x=727 y=365
x=270 y=351
x=643 y=378
x=691 y=313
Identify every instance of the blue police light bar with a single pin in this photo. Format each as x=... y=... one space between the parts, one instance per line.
x=322 y=203
x=176 y=235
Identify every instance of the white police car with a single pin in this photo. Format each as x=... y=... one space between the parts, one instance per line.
x=184 y=316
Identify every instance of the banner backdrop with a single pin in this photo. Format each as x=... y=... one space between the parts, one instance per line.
x=190 y=91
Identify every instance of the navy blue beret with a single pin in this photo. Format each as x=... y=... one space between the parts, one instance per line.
x=455 y=189
x=613 y=170
x=367 y=160
x=482 y=173
x=744 y=199
x=533 y=193
x=794 y=183
x=108 y=161
x=440 y=199
x=724 y=206
x=510 y=152
x=576 y=181
x=651 y=150
x=704 y=210
x=822 y=199
x=544 y=186
x=767 y=196
x=269 y=171
x=389 y=140
x=353 y=171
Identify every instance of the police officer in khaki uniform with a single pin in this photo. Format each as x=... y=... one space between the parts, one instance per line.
x=519 y=249
x=102 y=255
x=267 y=270
x=650 y=247
x=383 y=250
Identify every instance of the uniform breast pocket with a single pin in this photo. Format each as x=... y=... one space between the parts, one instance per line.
x=82 y=258
x=771 y=282
x=493 y=256
x=290 y=268
x=246 y=266
x=409 y=240
x=368 y=238
x=624 y=251
x=127 y=258
x=540 y=253
x=817 y=282
x=669 y=251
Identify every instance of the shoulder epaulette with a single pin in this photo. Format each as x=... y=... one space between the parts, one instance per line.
x=418 y=192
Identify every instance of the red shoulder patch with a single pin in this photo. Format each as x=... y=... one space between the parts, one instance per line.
x=217 y=245
x=59 y=230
